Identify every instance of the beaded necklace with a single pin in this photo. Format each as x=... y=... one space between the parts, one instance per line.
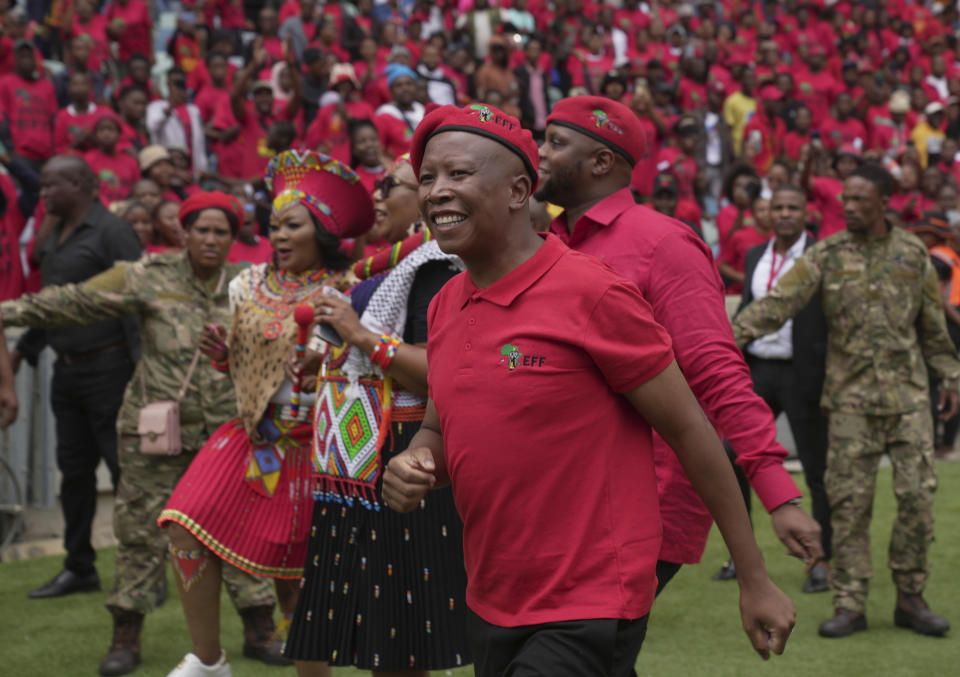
x=279 y=292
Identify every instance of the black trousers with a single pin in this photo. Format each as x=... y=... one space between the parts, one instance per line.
x=776 y=382
x=86 y=397
x=602 y=647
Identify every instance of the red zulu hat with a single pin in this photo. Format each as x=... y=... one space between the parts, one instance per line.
x=605 y=120
x=477 y=118
x=212 y=199
x=327 y=187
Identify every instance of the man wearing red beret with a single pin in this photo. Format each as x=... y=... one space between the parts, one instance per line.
x=555 y=586
x=585 y=167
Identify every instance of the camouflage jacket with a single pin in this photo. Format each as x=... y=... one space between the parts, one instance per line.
x=172 y=305
x=884 y=315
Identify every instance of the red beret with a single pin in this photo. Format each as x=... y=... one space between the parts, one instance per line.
x=213 y=199
x=477 y=118
x=603 y=119
x=328 y=188
x=104 y=113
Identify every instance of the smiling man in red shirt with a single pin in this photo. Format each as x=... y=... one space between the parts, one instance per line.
x=555 y=586
x=591 y=146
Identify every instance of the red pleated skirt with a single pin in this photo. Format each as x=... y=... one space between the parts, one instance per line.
x=250 y=505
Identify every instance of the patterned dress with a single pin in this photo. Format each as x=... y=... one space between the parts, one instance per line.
x=248 y=494
x=380 y=590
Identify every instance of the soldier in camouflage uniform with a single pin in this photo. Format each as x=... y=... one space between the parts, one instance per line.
x=173 y=304
x=885 y=316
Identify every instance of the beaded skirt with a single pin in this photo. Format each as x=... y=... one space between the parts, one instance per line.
x=381 y=590
x=251 y=504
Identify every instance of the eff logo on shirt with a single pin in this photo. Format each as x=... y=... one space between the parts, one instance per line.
x=511 y=356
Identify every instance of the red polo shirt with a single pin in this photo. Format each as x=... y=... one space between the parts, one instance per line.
x=826 y=196
x=675 y=273
x=528 y=393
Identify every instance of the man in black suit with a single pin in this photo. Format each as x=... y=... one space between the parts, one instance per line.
x=787 y=366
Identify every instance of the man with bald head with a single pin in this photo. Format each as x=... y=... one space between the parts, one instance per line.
x=585 y=166
x=561 y=523
x=93 y=363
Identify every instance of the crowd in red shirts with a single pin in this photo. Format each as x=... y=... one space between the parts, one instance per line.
x=735 y=97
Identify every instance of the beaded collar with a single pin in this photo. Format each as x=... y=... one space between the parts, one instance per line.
x=279 y=292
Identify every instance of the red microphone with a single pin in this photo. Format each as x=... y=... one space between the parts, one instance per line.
x=303 y=316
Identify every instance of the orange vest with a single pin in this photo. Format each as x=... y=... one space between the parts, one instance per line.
x=950 y=257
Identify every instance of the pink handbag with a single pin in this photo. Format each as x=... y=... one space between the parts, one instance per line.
x=159 y=424
x=159 y=428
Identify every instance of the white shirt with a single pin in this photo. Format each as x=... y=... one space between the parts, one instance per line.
x=779 y=344
x=714 y=148
x=167 y=130
x=412 y=117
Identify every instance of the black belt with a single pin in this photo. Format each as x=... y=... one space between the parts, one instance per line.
x=86 y=355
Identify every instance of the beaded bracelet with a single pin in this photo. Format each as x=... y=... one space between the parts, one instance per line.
x=384 y=352
x=223 y=365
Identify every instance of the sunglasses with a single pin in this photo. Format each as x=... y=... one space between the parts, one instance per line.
x=388 y=183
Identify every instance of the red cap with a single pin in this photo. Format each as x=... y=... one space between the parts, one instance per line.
x=603 y=119
x=477 y=118
x=770 y=93
x=327 y=187
x=211 y=199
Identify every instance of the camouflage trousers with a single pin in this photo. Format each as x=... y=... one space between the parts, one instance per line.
x=146 y=483
x=856 y=444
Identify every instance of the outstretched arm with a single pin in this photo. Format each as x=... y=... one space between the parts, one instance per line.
x=102 y=297
x=8 y=392
x=668 y=404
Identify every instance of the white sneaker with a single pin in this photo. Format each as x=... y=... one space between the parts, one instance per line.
x=191 y=666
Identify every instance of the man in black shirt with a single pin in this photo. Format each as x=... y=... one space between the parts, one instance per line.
x=94 y=362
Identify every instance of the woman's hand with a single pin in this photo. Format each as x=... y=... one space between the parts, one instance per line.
x=340 y=315
x=305 y=370
x=213 y=342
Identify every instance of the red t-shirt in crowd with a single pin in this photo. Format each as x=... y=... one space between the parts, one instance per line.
x=683 y=167
x=69 y=126
x=645 y=171
x=117 y=173
x=826 y=196
x=911 y=205
x=395 y=135
x=504 y=353
x=734 y=252
x=836 y=133
x=12 y=282
x=29 y=107
x=247 y=155
x=330 y=127
x=136 y=37
x=817 y=90
x=369 y=177
x=726 y=217
x=96 y=32
x=252 y=254
x=675 y=273
x=209 y=99
x=793 y=142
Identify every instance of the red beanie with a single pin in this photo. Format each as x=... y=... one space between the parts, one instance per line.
x=477 y=118
x=213 y=199
x=605 y=120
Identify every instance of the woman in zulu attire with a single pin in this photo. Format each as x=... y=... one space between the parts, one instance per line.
x=381 y=591
x=247 y=497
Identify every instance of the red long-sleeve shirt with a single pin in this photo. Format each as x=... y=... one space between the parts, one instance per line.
x=675 y=273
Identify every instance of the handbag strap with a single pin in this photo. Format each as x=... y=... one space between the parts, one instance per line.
x=193 y=362
x=196 y=355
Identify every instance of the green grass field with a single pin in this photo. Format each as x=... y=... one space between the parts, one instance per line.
x=694 y=628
